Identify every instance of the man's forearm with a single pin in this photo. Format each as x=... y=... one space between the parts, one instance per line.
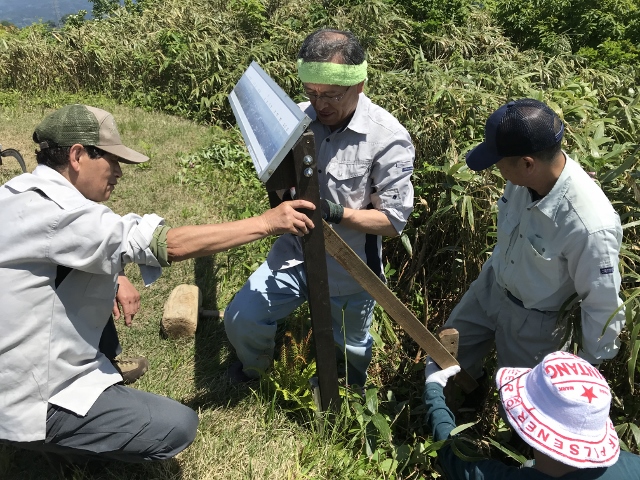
x=368 y=221
x=201 y=240
x=193 y=241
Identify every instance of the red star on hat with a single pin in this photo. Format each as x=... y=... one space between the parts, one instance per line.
x=588 y=392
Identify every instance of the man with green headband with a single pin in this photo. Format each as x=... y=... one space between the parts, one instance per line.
x=365 y=159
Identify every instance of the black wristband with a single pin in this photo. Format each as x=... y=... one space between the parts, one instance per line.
x=331 y=212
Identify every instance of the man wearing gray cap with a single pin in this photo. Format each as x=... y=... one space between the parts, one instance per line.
x=61 y=253
x=558 y=235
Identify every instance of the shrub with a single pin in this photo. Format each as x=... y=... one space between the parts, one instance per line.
x=573 y=25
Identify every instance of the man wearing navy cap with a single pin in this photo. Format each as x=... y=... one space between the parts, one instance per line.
x=558 y=235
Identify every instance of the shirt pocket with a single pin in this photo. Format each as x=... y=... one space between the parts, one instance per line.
x=349 y=181
x=541 y=269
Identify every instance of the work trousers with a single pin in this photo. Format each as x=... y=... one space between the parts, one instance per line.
x=123 y=424
x=268 y=296
x=488 y=316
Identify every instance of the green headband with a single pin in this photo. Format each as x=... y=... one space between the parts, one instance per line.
x=328 y=73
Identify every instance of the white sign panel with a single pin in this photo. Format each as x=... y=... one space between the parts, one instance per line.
x=269 y=120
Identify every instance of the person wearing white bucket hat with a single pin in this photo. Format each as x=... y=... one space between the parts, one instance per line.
x=560 y=408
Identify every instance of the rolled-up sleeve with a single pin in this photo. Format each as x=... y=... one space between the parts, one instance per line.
x=139 y=248
x=442 y=422
x=391 y=179
x=96 y=240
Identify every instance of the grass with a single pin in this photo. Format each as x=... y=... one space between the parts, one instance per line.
x=241 y=436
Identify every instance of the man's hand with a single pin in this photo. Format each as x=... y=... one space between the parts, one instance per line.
x=286 y=219
x=433 y=373
x=128 y=298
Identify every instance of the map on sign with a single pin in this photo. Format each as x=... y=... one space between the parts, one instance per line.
x=269 y=120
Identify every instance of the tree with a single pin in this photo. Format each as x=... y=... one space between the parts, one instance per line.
x=602 y=30
x=73 y=19
x=432 y=14
x=103 y=8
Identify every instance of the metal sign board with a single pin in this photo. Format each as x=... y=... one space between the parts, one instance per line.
x=269 y=120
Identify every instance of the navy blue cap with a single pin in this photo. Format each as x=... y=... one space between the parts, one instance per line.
x=518 y=128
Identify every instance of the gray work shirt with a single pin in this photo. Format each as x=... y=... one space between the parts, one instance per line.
x=367 y=164
x=567 y=242
x=50 y=334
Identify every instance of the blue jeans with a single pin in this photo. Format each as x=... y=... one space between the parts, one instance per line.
x=251 y=319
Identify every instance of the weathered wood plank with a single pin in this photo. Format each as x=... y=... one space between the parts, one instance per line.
x=315 y=262
x=345 y=256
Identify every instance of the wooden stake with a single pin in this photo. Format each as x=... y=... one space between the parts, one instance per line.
x=345 y=256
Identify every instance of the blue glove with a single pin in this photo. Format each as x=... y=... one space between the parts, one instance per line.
x=331 y=212
x=434 y=374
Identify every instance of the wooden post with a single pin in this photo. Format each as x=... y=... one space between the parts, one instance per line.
x=300 y=170
x=449 y=338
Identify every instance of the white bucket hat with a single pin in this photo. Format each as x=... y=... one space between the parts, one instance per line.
x=561 y=408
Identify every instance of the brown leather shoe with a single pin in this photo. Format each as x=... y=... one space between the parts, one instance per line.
x=131 y=368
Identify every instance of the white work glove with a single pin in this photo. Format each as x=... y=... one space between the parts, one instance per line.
x=434 y=374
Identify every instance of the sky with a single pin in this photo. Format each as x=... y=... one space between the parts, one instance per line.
x=25 y=12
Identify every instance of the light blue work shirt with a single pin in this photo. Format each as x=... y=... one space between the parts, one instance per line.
x=367 y=164
x=567 y=242
x=50 y=335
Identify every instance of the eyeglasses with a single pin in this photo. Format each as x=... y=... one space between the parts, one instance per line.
x=329 y=99
x=94 y=152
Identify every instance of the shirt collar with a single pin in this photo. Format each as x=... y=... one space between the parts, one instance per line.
x=360 y=121
x=551 y=202
x=53 y=184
